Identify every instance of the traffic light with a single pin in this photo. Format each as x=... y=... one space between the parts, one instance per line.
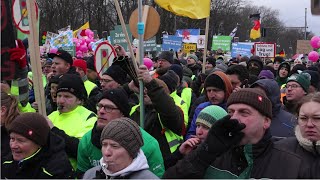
x=44 y=37
x=24 y=13
x=263 y=32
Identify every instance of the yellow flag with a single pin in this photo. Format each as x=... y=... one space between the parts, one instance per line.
x=194 y=9
x=85 y=26
x=255 y=34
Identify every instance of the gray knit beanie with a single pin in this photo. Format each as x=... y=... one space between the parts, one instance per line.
x=126 y=132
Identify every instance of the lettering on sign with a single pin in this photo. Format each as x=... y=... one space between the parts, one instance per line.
x=265 y=49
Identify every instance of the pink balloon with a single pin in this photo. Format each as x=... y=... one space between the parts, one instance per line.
x=83 y=48
x=314 y=42
x=87 y=31
x=88 y=41
x=90 y=46
x=75 y=40
x=313 y=56
x=53 y=50
x=148 y=62
x=78 y=44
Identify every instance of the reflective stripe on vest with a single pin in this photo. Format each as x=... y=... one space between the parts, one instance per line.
x=173 y=139
x=186 y=95
x=183 y=105
x=192 y=77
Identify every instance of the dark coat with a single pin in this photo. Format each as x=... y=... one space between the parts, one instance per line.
x=51 y=162
x=171 y=116
x=5 y=140
x=267 y=161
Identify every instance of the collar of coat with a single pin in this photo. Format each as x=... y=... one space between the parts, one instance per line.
x=313 y=147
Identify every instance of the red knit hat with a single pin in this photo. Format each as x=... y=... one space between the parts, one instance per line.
x=81 y=64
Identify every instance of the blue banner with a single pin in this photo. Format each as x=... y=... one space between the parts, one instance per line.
x=239 y=48
x=171 y=42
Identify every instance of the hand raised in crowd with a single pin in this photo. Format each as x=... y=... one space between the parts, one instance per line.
x=143 y=74
x=189 y=145
x=120 y=50
x=19 y=54
x=224 y=134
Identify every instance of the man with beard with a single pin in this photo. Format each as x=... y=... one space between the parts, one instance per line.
x=254 y=65
x=164 y=62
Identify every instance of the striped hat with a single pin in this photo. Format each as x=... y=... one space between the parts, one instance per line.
x=210 y=115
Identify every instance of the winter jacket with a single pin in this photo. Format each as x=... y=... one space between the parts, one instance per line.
x=49 y=162
x=193 y=126
x=162 y=107
x=138 y=169
x=309 y=151
x=71 y=126
x=5 y=142
x=89 y=152
x=282 y=123
x=195 y=68
x=261 y=160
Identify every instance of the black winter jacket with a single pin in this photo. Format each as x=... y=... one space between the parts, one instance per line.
x=268 y=161
x=5 y=139
x=170 y=114
x=51 y=162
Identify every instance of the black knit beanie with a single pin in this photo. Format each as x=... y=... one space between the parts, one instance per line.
x=177 y=69
x=117 y=74
x=254 y=98
x=126 y=132
x=119 y=97
x=171 y=80
x=166 y=55
x=73 y=84
x=32 y=126
x=213 y=80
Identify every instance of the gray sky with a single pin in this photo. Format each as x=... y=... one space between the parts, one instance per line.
x=291 y=12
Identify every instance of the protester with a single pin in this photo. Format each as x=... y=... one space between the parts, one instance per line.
x=165 y=60
x=254 y=65
x=314 y=82
x=9 y=111
x=283 y=73
x=238 y=76
x=113 y=78
x=193 y=65
x=122 y=157
x=51 y=98
x=113 y=104
x=276 y=62
x=217 y=89
x=240 y=145
x=282 y=122
x=307 y=141
x=164 y=120
x=297 y=86
x=206 y=118
x=71 y=121
x=81 y=68
x=62 y=63
x=36 y=152
x=266 y=74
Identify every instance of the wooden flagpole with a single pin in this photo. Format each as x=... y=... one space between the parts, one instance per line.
x=33 y=39
x=205 y=45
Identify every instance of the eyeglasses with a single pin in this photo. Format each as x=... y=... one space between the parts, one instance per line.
x=105 y=80
x=107 y=108
x=293 y=86
x=304 y=120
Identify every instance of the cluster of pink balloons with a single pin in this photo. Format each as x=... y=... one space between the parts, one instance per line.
x=84 y=43
x=315 y=43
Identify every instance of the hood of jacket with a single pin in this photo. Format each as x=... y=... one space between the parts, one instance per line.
x=273 y=92
x=313 y=147
x=138 y=163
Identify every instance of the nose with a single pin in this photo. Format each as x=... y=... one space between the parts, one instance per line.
x=107 y=151
x=13 y=144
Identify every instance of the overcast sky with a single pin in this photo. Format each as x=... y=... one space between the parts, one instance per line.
x=291 y=12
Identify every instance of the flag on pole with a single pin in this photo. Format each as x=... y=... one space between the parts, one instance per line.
x=83 y=27
x=234 y=31
x=194 y=9
x=255 y=31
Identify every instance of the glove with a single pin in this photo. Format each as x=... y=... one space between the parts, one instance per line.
x=19 y=55
x=224 y=134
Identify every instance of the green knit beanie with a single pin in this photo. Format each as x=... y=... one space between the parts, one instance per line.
x=210 y=115
x=192 y=56
x=302 y=78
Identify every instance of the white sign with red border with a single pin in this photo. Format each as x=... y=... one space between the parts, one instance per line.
x=20 y=15
x=265 y=50
x=103 y=57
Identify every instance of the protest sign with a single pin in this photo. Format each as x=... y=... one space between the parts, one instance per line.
x=200 y=42
x=171 y=42
x=242 y=49
x=188 y=47
x=103 y=57
x=303 y=47
x=62 y=40
x=118 y=37
x=265 y=49
x=221 y=42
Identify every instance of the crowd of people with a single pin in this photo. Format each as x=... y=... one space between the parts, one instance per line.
x=241 y=118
